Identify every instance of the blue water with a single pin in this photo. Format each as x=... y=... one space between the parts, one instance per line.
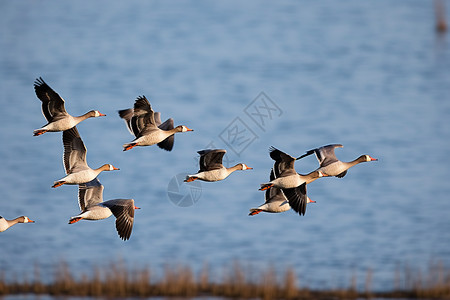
x=373 y=76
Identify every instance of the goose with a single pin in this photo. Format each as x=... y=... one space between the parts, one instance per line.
x=285 y=175
x=330 y=165
x=74 y=159
x=211 y=167
x=276 y=201
x=5 y=224
x=54 y=111
x=146 y=126
x=92 y=206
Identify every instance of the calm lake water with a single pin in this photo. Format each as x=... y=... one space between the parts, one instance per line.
x=373 y=76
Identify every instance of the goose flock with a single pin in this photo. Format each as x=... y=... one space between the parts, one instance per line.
x=285 y=190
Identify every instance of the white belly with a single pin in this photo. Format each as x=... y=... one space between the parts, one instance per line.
x=275 y=207
x=97 y=212
x=213 y=175
x=80 y=177
x=61 y=125
x=3 y=225
x=154 y=137
x=287 y=182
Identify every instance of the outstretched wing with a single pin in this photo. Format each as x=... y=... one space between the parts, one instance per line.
x=140 y=118
x=297 y=198
x=284 y=163
x=90 y=194
x=325 y=154
x=127 y=114
x=123 y=210
x=52 y=104
x=74 y=151
x=211 y=159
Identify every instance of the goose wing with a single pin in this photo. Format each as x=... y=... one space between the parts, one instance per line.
x=90 y=194
x=284 y=163
x=274 y=194
x=74 y=151
x=123 y=210
x=127 y=115
x=211 y=159
x=52 y=104
x=140 y=118
x=325 y=154
x=166 y=144
x=297 y=198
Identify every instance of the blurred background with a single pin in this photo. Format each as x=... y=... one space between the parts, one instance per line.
x=373 y=76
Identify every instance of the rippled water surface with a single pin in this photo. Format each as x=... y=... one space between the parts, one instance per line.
x=373 y=76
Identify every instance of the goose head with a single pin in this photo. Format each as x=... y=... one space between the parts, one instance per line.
x=245 y=167
x=367 y=158
x=109 y=167
x=182 y=128
x=308 y=200
x=25 y=219
x=95 y=114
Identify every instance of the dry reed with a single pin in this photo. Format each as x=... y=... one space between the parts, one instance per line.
x=238 y=281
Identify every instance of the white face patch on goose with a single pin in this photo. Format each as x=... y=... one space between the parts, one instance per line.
x=97 y=113
x=111 y=167
x=25 y=220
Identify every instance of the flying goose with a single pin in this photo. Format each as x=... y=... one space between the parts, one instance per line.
x=330 y=165
x=74 y=159
x=54 y=111
x=211 y=167
x=276 y=201
x=293 y=185
x=92 y=206
x=285 y=175
x=146 y=126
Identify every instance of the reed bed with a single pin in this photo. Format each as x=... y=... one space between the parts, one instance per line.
x=237 y=281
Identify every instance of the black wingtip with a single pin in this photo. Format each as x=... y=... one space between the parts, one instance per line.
x=38 y=82
x=306 y=154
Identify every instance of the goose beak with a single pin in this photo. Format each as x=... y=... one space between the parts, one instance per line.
x=373 y=159
x=137 y=207
x=114 y=168
x=188 y=129
x=101 y=115
x=30 y=221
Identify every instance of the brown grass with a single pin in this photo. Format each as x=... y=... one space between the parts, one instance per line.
x=237 y=281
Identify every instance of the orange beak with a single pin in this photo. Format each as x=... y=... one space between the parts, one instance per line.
x=101 y=115
x=188 y=129
x=137 y=207
x=373 y=159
